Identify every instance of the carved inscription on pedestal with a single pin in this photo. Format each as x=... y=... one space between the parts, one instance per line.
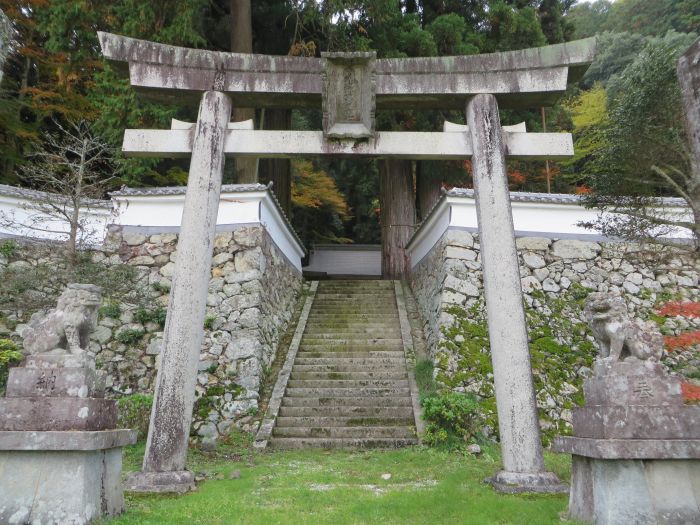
x=46 y=382
x=349 y=88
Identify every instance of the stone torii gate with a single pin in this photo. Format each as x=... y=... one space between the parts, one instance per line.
x=349 y=87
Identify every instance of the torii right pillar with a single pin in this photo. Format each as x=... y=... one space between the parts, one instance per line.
x=516 y=404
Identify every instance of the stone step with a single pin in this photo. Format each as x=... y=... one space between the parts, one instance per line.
x=348 y=411
x=315 y=347
x=356 y=295
x=351 y=361
x=350 y=342
x=311 y=354
x=355 y=375
x=346 y=432
x=376 y=302
x=339 y=421
x=326 y=443
x=351 y=325
x=347 y=383
x=346 y=401
x=340 y=368
x=322 y=332
x=347 y=392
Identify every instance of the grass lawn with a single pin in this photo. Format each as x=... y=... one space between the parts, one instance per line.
x=426 y=486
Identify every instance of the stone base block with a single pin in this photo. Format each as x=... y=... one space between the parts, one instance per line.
x=60 y=360
x=61 y=477
x=179 y=482
x=55 y=382
x=643 y=492
x=631 y=382
x=48 y=413
x=630 y=422
x=517 y=482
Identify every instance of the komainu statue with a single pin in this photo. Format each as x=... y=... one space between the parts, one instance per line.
x=620 y=337
x=65 y=329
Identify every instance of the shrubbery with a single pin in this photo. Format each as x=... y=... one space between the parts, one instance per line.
x=9 y=354
x=452 y=419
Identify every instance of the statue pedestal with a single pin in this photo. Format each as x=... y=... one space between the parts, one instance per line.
x=60 y=454
x=635 y=449
x=61 y=477
x=640 y=481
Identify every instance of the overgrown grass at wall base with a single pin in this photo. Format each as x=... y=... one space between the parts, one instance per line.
x=561 y=351
x=134 y=412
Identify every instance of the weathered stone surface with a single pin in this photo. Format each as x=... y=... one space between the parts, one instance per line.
x=574 y=249
x=632 y=382
x=47 y=413
x=515 y=394
x=532 y=243
x=434 y=273
x=68 y=326
x=620 y=337
x=542 y=75
x=169 y=430
x=636 y=422
x=60 y=486
x=533 y=260
x=455 y=252
x=348 y=95
x=54 y=382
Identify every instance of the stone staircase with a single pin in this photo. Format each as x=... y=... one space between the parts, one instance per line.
x=349 y=384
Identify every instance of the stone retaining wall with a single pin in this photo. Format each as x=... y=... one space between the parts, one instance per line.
x=556 y=275
x=252 y=293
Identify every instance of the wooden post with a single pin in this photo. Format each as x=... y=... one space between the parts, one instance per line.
x=398 y=215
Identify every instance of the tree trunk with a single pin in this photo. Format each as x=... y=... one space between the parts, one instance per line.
x=242 y=42
x=428 y=187
x=278 y=170
x=398 y=212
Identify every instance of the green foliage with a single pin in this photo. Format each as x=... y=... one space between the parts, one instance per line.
x=144 y=315
x=643 y=153
x=614 y=52
x=129 y=336
x=452 y=419
x=9 y=354
x=161 y=287
x=8 y=248
x=113 y=310
x=427 y=386
x=559 y=348
x=209 y=321
x=590 y=118
x=134 y=411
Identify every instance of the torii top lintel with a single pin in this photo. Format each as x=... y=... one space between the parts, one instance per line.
x=525 y=78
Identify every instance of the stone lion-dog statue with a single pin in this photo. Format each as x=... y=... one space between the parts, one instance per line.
x=65 y=329
x=619 y=336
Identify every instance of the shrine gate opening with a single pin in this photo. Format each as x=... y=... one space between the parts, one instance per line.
x=349 y=87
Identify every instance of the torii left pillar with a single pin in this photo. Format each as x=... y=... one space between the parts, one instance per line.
x=168 y=435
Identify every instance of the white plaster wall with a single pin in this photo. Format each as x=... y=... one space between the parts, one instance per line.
x=19 y=217
x=153 y=214
x=542 y=219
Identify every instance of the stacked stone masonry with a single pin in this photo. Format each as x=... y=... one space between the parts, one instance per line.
x=252 y=293
x=450 y=275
